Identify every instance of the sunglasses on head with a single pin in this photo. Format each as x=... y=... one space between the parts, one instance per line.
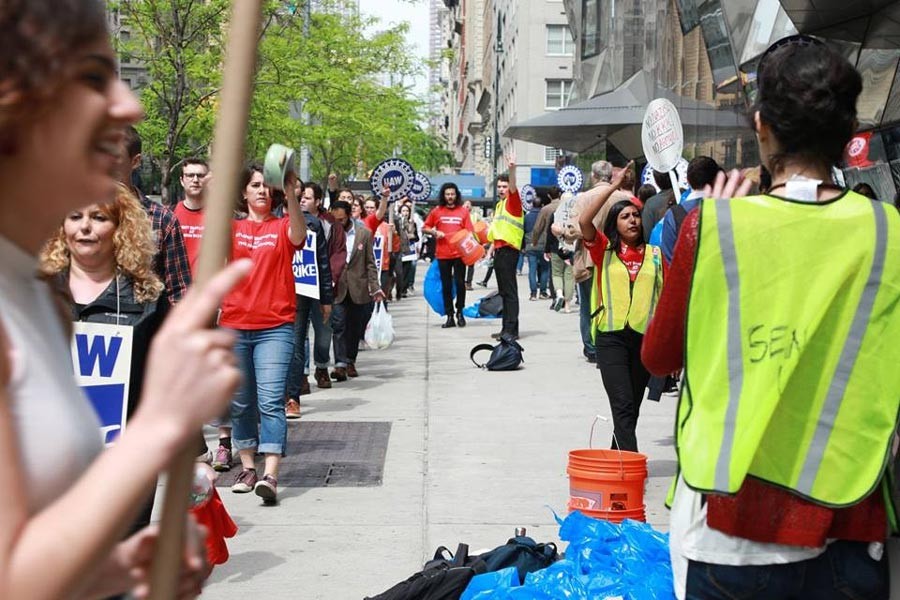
x=791 y=40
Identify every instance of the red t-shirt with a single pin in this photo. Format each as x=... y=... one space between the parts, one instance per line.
x=631 y=257
x=192 y=225
x=265 y=299
x=372 y=222
x=448 y=221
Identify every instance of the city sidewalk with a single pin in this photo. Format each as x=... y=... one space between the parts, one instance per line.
x=471 y=456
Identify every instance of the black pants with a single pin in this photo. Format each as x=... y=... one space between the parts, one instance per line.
x=348 y=322
x=470 y=274
x=624 y=378
x=505 y=260
x=453 y=270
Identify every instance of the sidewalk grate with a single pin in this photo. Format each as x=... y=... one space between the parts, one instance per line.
x=331 y=454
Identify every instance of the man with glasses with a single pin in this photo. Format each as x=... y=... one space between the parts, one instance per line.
x=194 y=177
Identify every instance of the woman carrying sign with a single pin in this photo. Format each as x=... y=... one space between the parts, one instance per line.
x=63 y=112
x=627 y=282
x=261 y=312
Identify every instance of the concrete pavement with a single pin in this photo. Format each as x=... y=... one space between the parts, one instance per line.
x=471 y=456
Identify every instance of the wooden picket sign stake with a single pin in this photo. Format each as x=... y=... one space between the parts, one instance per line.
x=227 y=161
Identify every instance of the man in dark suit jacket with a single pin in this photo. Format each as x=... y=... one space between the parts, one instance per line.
x=357 y=288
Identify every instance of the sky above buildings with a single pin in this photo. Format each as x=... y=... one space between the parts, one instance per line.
x=394 y=12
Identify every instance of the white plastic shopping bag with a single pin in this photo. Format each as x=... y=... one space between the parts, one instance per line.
x=380 y=330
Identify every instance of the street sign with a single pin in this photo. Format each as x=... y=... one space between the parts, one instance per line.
x=395 y=173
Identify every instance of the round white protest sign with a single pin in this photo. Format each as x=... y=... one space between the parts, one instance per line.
x=570 y=179
x=661 y=135
x=421 y=188
x=528 y=194
x=395 y=173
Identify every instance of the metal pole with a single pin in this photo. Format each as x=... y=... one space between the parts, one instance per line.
x=498 y=50
x=304 y=117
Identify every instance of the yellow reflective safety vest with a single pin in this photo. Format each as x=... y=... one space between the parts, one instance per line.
x=507 y=227
x=791 y=371
x=616 y=302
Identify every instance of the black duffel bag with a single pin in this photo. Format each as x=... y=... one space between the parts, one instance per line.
x=505 y=356
x=523 y=553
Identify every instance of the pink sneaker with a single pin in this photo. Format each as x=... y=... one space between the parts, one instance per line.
x=222 y=460
x=267 y=489
x=245 y=481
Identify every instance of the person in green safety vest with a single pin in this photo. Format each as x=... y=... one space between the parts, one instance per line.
x=782 y=308
x=626 y=286
x=506 y=234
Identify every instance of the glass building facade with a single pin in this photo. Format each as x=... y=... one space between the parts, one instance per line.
x=702 y=55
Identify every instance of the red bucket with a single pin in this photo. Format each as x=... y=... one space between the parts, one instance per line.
x=468 y=246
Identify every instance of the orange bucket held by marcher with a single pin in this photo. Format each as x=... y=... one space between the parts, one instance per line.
x=480 y=229
x=469 y=248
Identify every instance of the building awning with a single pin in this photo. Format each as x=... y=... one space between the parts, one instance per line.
x=870 y=23
x=616 y=117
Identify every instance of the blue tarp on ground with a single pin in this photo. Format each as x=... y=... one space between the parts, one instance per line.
x=603 y=560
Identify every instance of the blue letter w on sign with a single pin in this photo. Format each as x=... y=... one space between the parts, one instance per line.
x=97 y=353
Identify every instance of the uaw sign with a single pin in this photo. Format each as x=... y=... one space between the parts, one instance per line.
x=396 y=174
x=528 y=193
x=421 y=188
x=661 y=135
x=306 y=268
x=570 y=179
x=101 y=356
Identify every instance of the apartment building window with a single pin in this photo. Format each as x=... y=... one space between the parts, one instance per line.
x=558 y=92
x=559 y=41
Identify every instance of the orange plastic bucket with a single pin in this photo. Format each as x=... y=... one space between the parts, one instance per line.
x=613 y=516
x=607 y=481
x=468 y=247
x=481 y=229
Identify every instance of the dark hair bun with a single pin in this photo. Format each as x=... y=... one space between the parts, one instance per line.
x=807 y=96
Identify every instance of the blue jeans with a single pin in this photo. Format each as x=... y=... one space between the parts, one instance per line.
x=584 y=312
x=257 y=409
x=538 y=272
x=308 y=310
x=845 y=570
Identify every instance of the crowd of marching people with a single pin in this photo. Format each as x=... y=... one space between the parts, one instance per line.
x=771 y=294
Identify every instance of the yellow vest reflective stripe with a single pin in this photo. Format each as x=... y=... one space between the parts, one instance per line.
x=507 y=227
x=623 y=303
x=791 y=374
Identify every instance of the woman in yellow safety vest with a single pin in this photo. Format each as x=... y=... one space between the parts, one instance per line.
x=782 y=308
x=627 y=283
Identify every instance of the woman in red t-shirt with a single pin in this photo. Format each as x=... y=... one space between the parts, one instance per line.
x=261 y=312
x=442 y=222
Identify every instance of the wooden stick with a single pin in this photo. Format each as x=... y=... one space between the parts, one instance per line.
x=227 y=161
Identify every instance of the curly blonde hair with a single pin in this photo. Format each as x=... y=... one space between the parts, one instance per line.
x=133 y=246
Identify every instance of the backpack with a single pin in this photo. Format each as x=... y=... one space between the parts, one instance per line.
x=505 y=356
x=523 y=553
x=490 y=305
x=445 y=578
x=441 y=578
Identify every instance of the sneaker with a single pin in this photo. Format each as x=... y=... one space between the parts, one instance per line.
x=544 y=296
x=532 y=297
x=469 y=286
x=292 y=410
x=339 y=374
x=351 y=370
x=481 y=283
x=267 y=489
x=222 y=460
x=558 y=304
x=245 y=481
x=322 y=380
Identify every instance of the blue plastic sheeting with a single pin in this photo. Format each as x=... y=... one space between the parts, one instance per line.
x=433 y=290
x=472 y=312
x=603 y=560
